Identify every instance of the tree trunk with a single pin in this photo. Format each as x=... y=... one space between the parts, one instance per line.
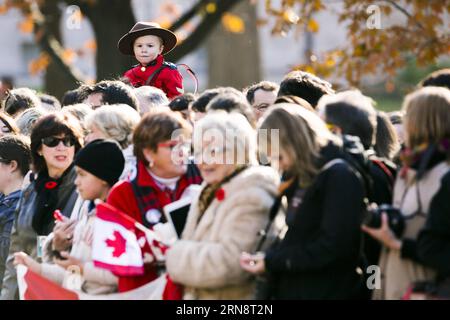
x=233 y=59
x=56 y=80
x=111 y=19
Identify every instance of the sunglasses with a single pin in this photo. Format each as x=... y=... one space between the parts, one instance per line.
x=54 y=141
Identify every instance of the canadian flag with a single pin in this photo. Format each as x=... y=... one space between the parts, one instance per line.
x=115 y=246
x=33 y=286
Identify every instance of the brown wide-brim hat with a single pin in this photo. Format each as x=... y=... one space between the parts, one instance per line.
x=140 y=29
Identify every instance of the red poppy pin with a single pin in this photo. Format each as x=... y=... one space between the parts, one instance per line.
x=50 y=185
x=220 y=194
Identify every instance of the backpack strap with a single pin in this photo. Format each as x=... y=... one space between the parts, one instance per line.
x=155 y=74
x=385 y=169
x=331 y=163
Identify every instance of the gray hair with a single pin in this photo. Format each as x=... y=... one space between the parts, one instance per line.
x=79 y=110
x=230 y=133
x=149 y=98
x=25 y=120
x=116 y=121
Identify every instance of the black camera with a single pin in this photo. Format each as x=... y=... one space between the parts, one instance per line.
x=395 y=218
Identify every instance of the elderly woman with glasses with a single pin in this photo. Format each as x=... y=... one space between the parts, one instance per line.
x=225 y=219
x=55 y=139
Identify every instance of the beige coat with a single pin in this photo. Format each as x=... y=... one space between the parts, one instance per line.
x=206 y=260
x=398 y=273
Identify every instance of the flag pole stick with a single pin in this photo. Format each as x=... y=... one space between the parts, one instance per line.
x=146 y=230
x=138 y=225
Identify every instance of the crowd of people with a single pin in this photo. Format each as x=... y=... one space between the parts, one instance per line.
x=302 y=214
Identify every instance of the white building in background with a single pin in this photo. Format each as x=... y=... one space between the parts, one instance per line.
x=278 y=54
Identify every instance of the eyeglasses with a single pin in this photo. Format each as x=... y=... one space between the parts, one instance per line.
x=261 y=106
x=52 y=142
x=173 y=144
x=5 y=129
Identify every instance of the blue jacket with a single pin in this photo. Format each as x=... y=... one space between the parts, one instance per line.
x=8 y=205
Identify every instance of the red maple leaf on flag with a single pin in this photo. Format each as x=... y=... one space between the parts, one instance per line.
x=119 y=244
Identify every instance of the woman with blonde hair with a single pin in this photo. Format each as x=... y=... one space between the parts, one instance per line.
x=224 y=220
x=319 y=254
x=418 y=190
x=115 y=122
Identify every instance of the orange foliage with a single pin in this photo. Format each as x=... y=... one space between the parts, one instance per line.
x=233 y=23
x=39 y=65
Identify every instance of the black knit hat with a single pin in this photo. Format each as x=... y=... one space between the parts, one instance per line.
x=102 y=158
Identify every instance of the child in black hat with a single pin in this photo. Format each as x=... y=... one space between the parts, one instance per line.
x=98 y=165
x=148 y=42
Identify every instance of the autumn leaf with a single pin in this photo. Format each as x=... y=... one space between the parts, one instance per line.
x=313 y=26
x=233 y=23
x=27 y=25
x=3 y=8
x=39 y=65
x=330 y=62
x=290 y=16
x=164 y=21
x=91 y=45
x=68 y=55
x=210 y=8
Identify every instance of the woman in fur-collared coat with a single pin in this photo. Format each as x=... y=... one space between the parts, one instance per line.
x=224 y=221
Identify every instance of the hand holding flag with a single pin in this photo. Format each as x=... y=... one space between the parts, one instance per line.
x=116 y=246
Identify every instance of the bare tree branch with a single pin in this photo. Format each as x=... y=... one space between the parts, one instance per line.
x=192 y=12
x=51 y=45
x=202 y=30
x=405 y=12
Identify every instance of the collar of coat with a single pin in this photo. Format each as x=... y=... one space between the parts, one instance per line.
x=153 y=65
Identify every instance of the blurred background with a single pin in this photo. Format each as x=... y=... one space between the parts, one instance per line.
x=382 y=47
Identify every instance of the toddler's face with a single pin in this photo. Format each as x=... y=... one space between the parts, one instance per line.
x=147 y=48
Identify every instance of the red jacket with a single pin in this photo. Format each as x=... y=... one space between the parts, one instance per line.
x=168 y=79
x=123 y=198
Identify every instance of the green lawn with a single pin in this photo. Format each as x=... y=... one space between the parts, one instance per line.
x=387 y=103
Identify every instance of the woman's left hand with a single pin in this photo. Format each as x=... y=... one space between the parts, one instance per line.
x=384 y=234
x=253 y=263
x=69 y=262
x=26 y=260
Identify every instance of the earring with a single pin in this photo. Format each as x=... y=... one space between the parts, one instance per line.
x=151 y=163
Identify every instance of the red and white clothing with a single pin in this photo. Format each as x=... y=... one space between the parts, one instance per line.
x=143 y=199
x=168 y=79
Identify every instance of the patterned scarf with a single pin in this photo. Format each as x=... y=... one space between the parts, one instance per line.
x=412 y=158
x=147 y=197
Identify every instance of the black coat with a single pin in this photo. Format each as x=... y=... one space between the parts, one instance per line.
x=434 y=240
x=319 y=255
